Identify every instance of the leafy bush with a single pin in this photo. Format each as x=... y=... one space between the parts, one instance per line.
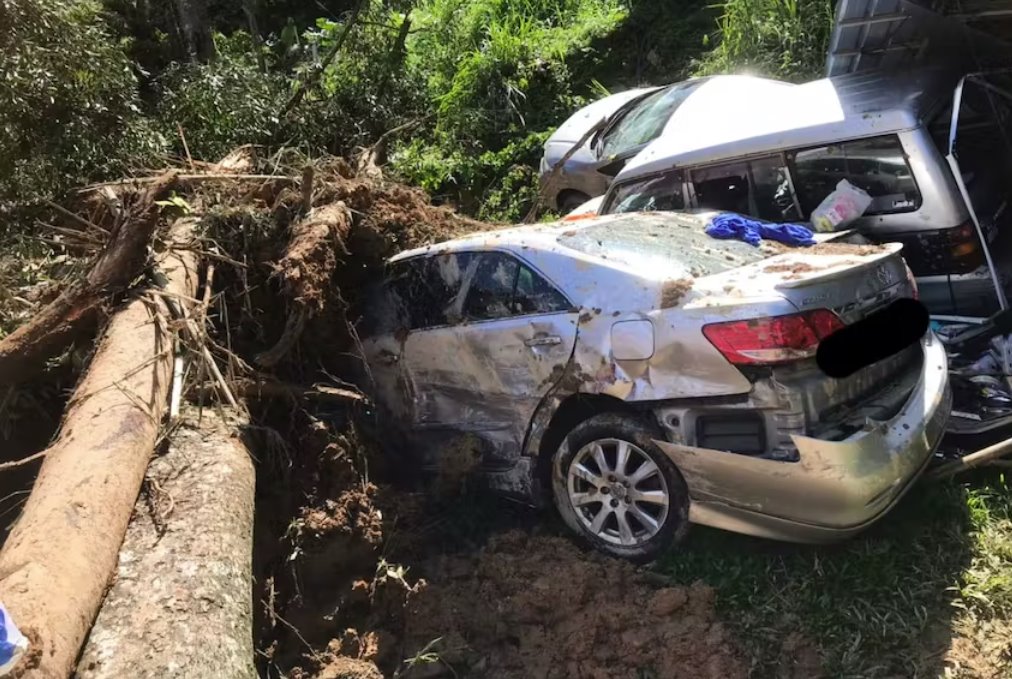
x=779 y=38
x=500 y=75
x=68 y=104
x=222 y=104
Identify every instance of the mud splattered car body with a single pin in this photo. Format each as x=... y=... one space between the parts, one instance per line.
x=655 y=349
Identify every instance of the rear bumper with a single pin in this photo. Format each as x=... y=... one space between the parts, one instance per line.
x=837 y=487
x=969 y=294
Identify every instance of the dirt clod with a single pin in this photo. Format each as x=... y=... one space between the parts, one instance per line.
x=673 y=291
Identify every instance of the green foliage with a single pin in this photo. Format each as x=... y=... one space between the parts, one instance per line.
x=69 y=110
x=223 y=104
x=500 y=75
x=778 y=38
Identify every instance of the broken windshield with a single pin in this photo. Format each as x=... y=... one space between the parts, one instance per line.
x=652 y=242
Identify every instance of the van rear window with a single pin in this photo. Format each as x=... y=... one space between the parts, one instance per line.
x=877 y=165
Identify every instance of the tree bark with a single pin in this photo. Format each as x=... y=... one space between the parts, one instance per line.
x=397 y=54
x=196 y=30
x=311 y=79
x=61 y=553
x=25 y=351
x=181 y=605
x=250 y=8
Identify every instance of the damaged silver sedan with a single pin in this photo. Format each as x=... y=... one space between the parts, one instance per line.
x=645 y=376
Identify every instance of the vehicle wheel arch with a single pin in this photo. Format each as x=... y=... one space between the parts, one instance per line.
x=572 y=411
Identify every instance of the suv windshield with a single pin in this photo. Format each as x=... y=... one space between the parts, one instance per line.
x=653 y=242
x=646 y=119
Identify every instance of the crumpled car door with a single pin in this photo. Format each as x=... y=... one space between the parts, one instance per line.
x=486 y=373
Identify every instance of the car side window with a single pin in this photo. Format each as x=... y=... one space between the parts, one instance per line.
x=502 y=287
x=491 y=291
x=427 y=288
x=535 y=295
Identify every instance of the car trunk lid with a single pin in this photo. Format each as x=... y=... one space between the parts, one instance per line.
x=851 y=280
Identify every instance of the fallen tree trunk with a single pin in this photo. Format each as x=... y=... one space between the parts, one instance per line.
x=305 y=272
x=60 y=556
x=25 y=351
x=181 y=604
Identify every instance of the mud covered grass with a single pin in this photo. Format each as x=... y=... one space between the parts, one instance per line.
x=927 y=592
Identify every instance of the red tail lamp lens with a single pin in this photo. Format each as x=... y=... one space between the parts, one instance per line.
x=774 y=339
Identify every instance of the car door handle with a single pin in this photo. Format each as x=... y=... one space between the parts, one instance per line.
x=546 y=341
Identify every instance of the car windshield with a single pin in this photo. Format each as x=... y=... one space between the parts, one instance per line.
x=652 y=243
x=646 y=119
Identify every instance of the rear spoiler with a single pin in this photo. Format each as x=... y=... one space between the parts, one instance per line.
x=832 y=273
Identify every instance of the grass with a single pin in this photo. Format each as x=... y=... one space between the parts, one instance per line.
x=888 y=603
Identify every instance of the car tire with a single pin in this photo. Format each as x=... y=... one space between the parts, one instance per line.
x=634 y=508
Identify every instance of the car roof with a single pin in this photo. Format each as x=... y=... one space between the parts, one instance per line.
x=544 y=237
x=747 y=118
x=561 y=239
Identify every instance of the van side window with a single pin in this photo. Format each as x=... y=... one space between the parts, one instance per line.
x=760 y=188
x=658 y=193
x=877 y=165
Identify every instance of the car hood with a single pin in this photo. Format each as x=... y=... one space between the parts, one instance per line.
x=577 y=124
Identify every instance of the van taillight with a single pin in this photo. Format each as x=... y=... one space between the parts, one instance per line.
x=965 y=246
x=773 y=339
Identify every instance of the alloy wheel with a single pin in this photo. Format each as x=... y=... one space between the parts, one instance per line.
x=618 y=492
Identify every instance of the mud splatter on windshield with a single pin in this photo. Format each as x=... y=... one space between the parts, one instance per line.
x=661 y=241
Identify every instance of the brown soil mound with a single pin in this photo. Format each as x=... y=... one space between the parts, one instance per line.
x=540 y=607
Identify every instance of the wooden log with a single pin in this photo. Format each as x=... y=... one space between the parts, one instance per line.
x=181 y=605
x=61 y=553
x=25 y=351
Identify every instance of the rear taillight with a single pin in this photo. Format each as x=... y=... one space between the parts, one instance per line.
x=774 y=339
x=965 y=246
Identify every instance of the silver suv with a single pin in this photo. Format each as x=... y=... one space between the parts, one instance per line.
x=890 y=134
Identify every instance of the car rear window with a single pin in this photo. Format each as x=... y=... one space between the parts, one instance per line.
x=645 y=241
x=878 y=165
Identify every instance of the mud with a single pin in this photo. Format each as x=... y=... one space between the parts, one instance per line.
x=377 y=582
x=846 y=249
x=540 y=607
x=673 y=291
x=790 y=267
